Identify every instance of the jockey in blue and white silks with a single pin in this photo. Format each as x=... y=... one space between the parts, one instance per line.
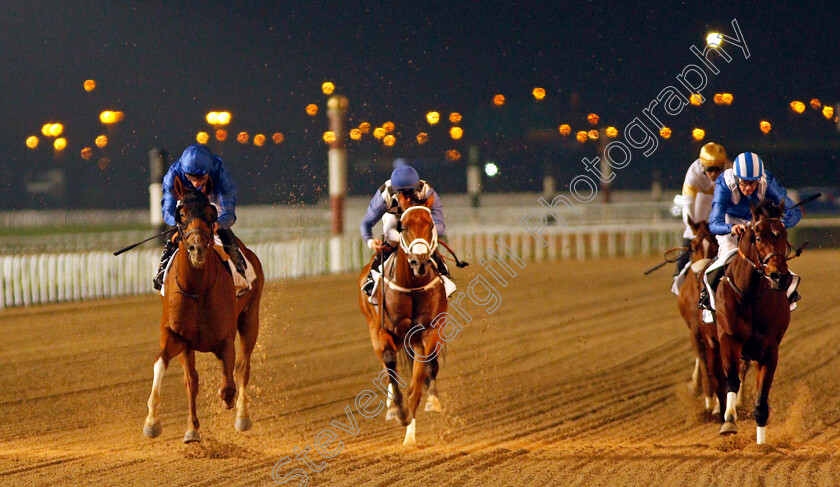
x=735 y=190
x=384 y=206
x=195 y=168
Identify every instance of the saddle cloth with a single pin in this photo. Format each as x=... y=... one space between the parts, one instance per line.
x=448 y=285
x=241 y=284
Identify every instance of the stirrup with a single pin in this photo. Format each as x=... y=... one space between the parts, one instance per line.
x=704 y=302
x=367 y=286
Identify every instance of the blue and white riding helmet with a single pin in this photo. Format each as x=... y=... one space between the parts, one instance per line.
x=404 y=177
x=748 y=166
x=197 y=160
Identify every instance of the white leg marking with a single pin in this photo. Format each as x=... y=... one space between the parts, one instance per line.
x=716 y=410
x=151 y=428
x=710 y=403
x=760 y=434
x=409 y=434
x=390 y=394
x=731 y=398
x=695 y=376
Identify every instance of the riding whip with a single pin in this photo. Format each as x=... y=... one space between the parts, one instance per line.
x=165 y=233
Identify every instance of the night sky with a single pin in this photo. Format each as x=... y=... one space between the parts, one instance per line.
x=166 y=64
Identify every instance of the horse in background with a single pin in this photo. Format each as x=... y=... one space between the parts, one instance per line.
x=412 y=303
x=753 y=311
x=201 y=312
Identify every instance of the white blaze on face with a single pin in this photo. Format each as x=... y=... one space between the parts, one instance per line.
x=419 y=249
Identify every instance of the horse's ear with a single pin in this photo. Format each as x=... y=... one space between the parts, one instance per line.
x=755 y=213
x=782 y=207
x=430 y=201
x=179 y=188
x=207 y=189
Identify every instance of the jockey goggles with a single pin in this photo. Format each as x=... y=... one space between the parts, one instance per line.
x=415 y=193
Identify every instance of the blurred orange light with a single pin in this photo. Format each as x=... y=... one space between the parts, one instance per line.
x=593 y=134
x=593 y=118
x=56 y=129
x=259 y=140
x=101 y=141
x=356 y=134
x=202 y=137
x=212 y=118
x=87 y=153
x=696 y=99
x=32 y=142
x=612 y=132
x=90 y=85
x=60 y=143
x=388 y=126
x=665 y=132
x=727 y=98
x=539 y=93
x=698 y=134
x=765 y=126
x=816 y=104
x=422 y=138
x=456 y=132
x=379 y=132
x=103 y=162
x=454 y=117
x=565 y=129
x=242 y=137
x=364 y=127
x=389 y=140
x=312 y=109
x=453 y=155
x=797 y=106
x=499 y=100
x=278 y=138
x=582 y=136
x=223 y=118
x=828 y=111
x=221 y=135
x=329 y=137
x=718 y=98
x=433 y=117
x=328 y=88
x=46 y=129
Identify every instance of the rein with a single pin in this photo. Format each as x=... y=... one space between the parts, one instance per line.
x=183 y=234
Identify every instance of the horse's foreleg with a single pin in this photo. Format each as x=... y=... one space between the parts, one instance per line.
x=248 y=330
x=742 y=374
x=191 y=382
x=418 y=377
x=170 y=347
x=228 y=390
x=432 y=400
x=764 y=379
x=731 y=358
x=394 y=401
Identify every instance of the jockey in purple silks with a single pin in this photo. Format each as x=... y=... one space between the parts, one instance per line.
x=745 y=184
x=195 y=168
x=384 y=206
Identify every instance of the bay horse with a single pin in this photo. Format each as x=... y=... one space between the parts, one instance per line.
x=201 y=312
x=703 y=248
x=414 y=301
x=753 y=311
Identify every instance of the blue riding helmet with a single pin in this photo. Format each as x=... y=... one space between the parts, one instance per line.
x=748 y=166
x=197 y=160
x=404 y=177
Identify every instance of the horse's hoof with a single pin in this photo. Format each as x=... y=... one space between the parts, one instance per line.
x=192 y=436
x=728 y=428
x=243 y=424
x=390 y=414
x=409 y=434
x=433 y=404
x=153 y=431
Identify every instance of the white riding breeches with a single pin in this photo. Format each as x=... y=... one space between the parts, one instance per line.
x=389 y=228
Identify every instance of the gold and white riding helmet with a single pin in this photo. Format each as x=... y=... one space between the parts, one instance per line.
x=713 y=155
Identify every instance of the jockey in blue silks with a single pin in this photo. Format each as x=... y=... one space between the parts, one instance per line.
x=745 y=184
x=384 y=206
x=195 y=168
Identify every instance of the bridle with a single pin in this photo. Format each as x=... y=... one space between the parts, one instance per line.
x=183 y=234
x=424 y=245
x=760 y=263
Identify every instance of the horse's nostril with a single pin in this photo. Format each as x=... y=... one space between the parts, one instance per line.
x=191 y=248
x=413 y=261
x=775 y=275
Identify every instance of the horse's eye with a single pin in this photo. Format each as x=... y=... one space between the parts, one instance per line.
x=757 y=238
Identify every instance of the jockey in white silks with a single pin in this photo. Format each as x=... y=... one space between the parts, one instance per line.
x=736 y=189
x=697 y=192
x=384 y=206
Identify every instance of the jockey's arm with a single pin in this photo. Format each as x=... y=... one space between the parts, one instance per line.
x=169 y=201
x=376 y=209
x=437 y=214
x=717 y=218
x=227 y=197
x=779 y=193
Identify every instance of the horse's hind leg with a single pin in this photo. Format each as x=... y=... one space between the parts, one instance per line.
x=169 y=347
x=248 y=331
x=187 y=359
x=227 y=355
x=764 y=379
x=432 y=401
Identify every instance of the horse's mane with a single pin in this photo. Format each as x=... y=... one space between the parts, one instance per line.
x=768 y=209
x=195 y=201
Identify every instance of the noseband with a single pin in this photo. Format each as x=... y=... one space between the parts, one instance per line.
x=762 y=261
x=423 y=245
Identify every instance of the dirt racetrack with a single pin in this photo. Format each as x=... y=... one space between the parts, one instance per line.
x=577 y=379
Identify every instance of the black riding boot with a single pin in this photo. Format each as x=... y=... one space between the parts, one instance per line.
x=684 y=257
x=714 y=278
x=440 y=263
x=232 y=249
x=168 y=249
x=378 y=259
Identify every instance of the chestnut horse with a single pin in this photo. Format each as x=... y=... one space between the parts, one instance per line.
x=201 y=312
x=753 y=311
x=703 y=248
x=414 y=303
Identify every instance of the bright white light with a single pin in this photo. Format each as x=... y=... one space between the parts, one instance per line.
x=491 y=169
x=714 y=39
